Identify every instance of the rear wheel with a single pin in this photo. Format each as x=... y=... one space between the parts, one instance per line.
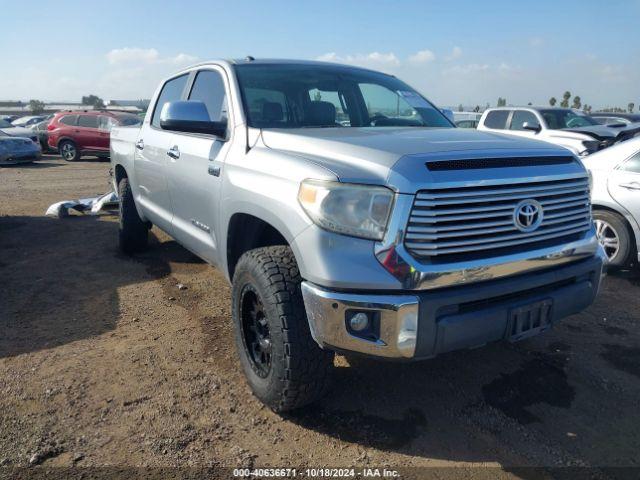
x=133 y=233
x=614 y=237
x=284 y=366
x=69 y=151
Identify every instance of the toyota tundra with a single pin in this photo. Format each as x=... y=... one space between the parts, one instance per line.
x=350 y=215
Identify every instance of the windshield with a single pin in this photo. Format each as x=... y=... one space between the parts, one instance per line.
x=566 y=118
x=5 y=124
x=330 y=96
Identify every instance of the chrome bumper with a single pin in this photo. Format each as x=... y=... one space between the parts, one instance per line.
x=423 y=324
x=398 y=324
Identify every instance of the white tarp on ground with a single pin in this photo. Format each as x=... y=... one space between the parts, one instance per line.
x=91 y=206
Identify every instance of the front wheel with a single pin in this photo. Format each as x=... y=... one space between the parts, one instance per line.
x=614 y=237
x=284 y=366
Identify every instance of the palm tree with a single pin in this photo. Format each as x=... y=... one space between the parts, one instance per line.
x=577 y=102
x=553 y=101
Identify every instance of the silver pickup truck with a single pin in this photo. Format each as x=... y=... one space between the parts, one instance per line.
x=350 y=215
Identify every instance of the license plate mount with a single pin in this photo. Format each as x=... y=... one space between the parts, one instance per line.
x=529 y=320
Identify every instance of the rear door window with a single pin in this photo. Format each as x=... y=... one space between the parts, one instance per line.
x=171 y=92
x=69 y=120
x=497 y=119
x=88 y=121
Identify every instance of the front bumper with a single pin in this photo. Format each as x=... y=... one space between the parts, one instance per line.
x=423 y=324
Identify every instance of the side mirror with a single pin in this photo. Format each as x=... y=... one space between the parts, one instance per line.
x=190 y=117
x=534 y=127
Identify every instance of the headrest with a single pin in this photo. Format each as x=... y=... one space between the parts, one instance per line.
x=320 y=114
x=272 y=112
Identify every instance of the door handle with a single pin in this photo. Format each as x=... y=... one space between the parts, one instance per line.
x=174 y=152
x=214 y=170
x=631 y=186
x=140 y=144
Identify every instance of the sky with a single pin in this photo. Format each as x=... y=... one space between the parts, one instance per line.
x=454 y=52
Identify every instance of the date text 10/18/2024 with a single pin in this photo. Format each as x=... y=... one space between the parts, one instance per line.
x=315 y=472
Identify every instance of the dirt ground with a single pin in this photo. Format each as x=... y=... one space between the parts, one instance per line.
x=104 y=361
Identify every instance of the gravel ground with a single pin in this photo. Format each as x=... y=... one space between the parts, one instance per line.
x=104 y=361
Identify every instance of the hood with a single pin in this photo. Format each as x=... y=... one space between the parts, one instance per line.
x=18 y=132
x=367 y=154
x=604 y=132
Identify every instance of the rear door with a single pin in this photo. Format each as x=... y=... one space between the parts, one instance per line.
x=195 y=176
x=87 y=132
x=624 y=185
x=151 y=158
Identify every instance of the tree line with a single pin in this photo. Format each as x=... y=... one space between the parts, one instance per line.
x=576 y=103
x=37 y=106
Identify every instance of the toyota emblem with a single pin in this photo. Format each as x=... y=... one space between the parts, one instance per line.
x=527 y=216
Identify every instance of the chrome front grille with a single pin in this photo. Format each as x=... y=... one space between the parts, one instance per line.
x=480 y=220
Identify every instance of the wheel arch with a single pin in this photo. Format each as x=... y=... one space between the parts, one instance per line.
x=631 y=227
x=246 y=232
x=66 y=139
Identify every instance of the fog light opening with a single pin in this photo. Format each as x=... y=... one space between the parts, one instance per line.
x=363 y=324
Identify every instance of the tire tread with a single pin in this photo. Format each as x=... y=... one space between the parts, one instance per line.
x=307 y=368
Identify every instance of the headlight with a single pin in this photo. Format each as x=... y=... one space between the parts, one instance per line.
x=590 y=146
x=350 y=209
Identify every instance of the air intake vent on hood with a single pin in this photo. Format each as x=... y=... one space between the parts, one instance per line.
x=477 y=163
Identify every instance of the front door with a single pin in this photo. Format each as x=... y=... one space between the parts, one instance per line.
x=194 y=171
x=151 y=159
x=518 y=119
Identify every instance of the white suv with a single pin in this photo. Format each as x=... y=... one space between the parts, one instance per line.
x=565 y=127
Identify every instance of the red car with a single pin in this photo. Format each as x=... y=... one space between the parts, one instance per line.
x=75 y=134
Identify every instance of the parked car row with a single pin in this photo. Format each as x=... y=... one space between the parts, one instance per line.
x=78 y=133
x=71 y=133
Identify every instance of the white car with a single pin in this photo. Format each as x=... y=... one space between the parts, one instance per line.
x=28 y=120
x=616 y=200
x=13 y=131
x=565 y=127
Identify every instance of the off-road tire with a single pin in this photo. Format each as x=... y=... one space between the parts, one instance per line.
x=300 y=370
x=61 y=150
x=133 y=233
x=623 y=256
